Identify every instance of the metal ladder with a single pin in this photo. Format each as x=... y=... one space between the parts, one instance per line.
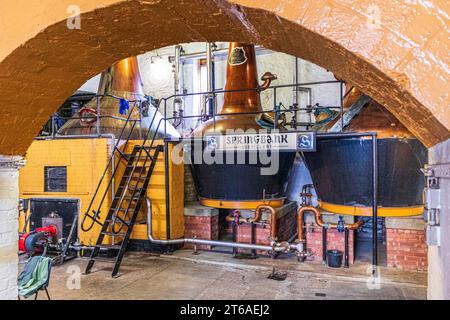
x=128 y=197
x=126 y=203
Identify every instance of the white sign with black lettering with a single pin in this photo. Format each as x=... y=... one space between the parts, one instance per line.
x=283 y=141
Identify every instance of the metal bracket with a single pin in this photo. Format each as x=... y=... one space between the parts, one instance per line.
x=432 y=192
x=440 y=171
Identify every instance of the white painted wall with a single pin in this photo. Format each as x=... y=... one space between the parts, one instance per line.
x=157 y=77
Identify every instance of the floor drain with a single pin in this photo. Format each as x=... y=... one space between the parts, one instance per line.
x=277 y=275
x=319 y=294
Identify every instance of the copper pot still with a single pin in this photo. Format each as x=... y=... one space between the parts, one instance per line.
x=233 y=185
x=121 y=80
x=341 y=168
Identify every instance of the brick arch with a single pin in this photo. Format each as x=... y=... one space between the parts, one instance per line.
x=401 y=66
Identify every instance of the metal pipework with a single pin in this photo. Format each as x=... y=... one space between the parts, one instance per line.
x=215 y=52
x=209 y=62
x=273 y=218
x=236 y=217
x=177 y=72
x=273 y=247
x=267 y=77
x=319 y=221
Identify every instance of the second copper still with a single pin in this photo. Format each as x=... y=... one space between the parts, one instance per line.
x=341 y=169
x=121 y=80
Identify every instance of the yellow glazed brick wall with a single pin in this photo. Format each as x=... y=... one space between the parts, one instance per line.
x=86 y=160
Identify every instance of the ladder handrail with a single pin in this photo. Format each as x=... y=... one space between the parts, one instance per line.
x=143 y=147
x=116 y=148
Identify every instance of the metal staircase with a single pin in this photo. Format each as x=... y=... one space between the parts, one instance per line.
x=126 y=203
x=128 y=196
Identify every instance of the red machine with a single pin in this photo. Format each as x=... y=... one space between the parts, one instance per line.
x=37 y=239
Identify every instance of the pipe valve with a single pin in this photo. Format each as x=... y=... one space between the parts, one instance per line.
x=340 y=225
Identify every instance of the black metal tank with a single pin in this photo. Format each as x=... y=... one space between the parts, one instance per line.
x=242 y=182
x=235 y=185
x=341 y=169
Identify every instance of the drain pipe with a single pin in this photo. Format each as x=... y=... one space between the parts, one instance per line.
x=273 y=247
x=177 y=101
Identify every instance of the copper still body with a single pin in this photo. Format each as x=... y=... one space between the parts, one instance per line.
x=121 y=80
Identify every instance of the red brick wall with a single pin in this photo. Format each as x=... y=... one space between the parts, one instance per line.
x=407 y=249
x=204 y=227
x=286 y=228
x=201 y=227
x=335 y=240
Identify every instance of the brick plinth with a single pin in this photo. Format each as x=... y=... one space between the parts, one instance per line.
x=406 y=244
x=286 y=227
x=335 y=239
x=202 y=223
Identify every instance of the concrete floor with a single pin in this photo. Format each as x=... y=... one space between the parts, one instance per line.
x=212 y=275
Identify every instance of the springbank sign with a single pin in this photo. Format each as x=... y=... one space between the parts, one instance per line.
x=281 y=141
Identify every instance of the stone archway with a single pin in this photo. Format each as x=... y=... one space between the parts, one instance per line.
x=395 y=51
x=403 y=65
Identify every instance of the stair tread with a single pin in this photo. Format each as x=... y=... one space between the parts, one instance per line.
x=135 y=177
x=127 y=198
x=123 y=209
x=136 y=222
x=109 y=233
x=138 y=167
x=109 y=246
x=146 y=147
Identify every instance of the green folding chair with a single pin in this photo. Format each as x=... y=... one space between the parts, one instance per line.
x=35 y=277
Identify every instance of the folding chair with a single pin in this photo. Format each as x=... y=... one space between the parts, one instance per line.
x=35 y=277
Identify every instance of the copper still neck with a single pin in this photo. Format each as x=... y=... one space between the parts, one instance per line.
x=244 y=97
x=241 y=75
x=122 y=79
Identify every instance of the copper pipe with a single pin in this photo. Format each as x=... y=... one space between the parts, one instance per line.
x=235 y=216
x=273 y=218
x=267 y=77
x=319 y=221
x=256 y=218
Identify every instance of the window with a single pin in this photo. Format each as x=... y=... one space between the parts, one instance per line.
x=55 y=179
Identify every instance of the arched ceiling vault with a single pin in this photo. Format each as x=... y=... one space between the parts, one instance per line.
x=396 y=52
